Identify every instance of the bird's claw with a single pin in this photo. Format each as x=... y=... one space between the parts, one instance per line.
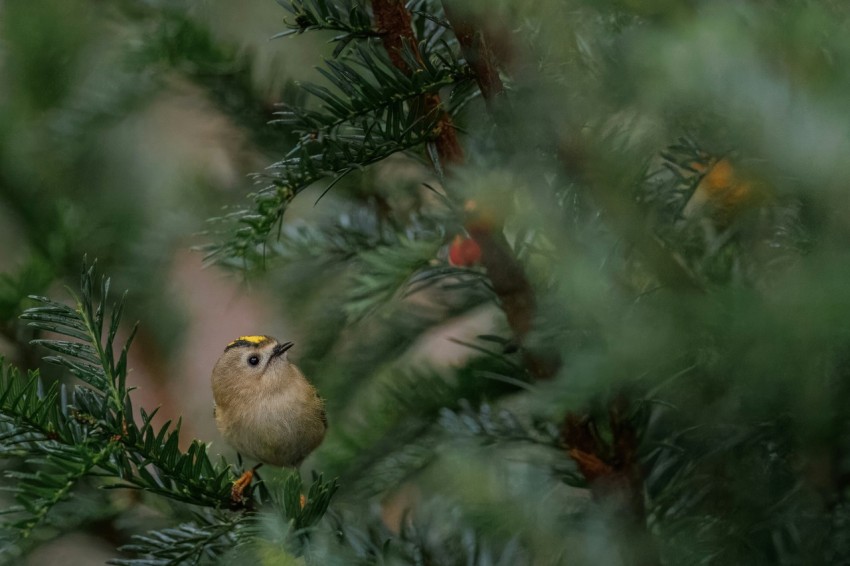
x=237 y=491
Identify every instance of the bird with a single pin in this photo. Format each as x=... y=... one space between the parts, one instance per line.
x=264 y=406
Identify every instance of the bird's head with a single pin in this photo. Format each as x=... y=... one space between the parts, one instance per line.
x=252 y=361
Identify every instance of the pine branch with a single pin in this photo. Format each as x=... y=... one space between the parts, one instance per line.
x=394 y=21
x=513 y=289
x=439 y=538
x=333 y=157
x=349 y=17
x=90 y=510
x=625 y=484
x=692 y=479
x=477 y=52
x=401 y=438
x=385 y=271
x=509 y=281
x=81 y=431
x=496 y=426
x=303 y=512
x=67 y=434
x=208 y=537
x=382 y=108
x=611 y=467
x=718 y=219
x=58 y=473
x=154 y=463
x=214 y=533
x=25 y=404
x=369 y=86
x=385 y=103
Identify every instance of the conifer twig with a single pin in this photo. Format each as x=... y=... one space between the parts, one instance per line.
x=393 y=21
x=612 y=472
x=477 y=52
x=514 y=290
x=510 y=283
x=507 y=275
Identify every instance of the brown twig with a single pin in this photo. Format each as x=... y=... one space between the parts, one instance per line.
x=477 y=52
x=506 y=274
x=510 y=283
x=394 y=24
x=611 y=470
x=614 y=475
x=514 y=291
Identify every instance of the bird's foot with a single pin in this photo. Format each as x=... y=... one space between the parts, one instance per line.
x=242 y=485
x=237 y=491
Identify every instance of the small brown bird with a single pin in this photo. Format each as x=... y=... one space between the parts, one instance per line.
x=264 y=406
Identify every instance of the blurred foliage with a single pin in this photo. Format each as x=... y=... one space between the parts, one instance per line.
x=663 y=182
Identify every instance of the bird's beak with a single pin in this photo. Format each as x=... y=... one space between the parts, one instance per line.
x=281 y=349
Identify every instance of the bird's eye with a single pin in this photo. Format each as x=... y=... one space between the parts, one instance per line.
x=254 y=360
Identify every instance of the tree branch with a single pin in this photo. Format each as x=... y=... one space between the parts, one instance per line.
x=613 y=472
x=510 y=282
x=508 y=277
x=394 y=24
x=513 y=289
x=614 y=475
x=477 y=52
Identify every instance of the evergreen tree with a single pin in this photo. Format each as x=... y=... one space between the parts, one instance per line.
x=642 y=200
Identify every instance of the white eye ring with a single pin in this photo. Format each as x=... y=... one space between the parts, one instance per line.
x=254 y=360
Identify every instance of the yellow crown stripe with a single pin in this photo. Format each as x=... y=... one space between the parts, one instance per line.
x=250 y=339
